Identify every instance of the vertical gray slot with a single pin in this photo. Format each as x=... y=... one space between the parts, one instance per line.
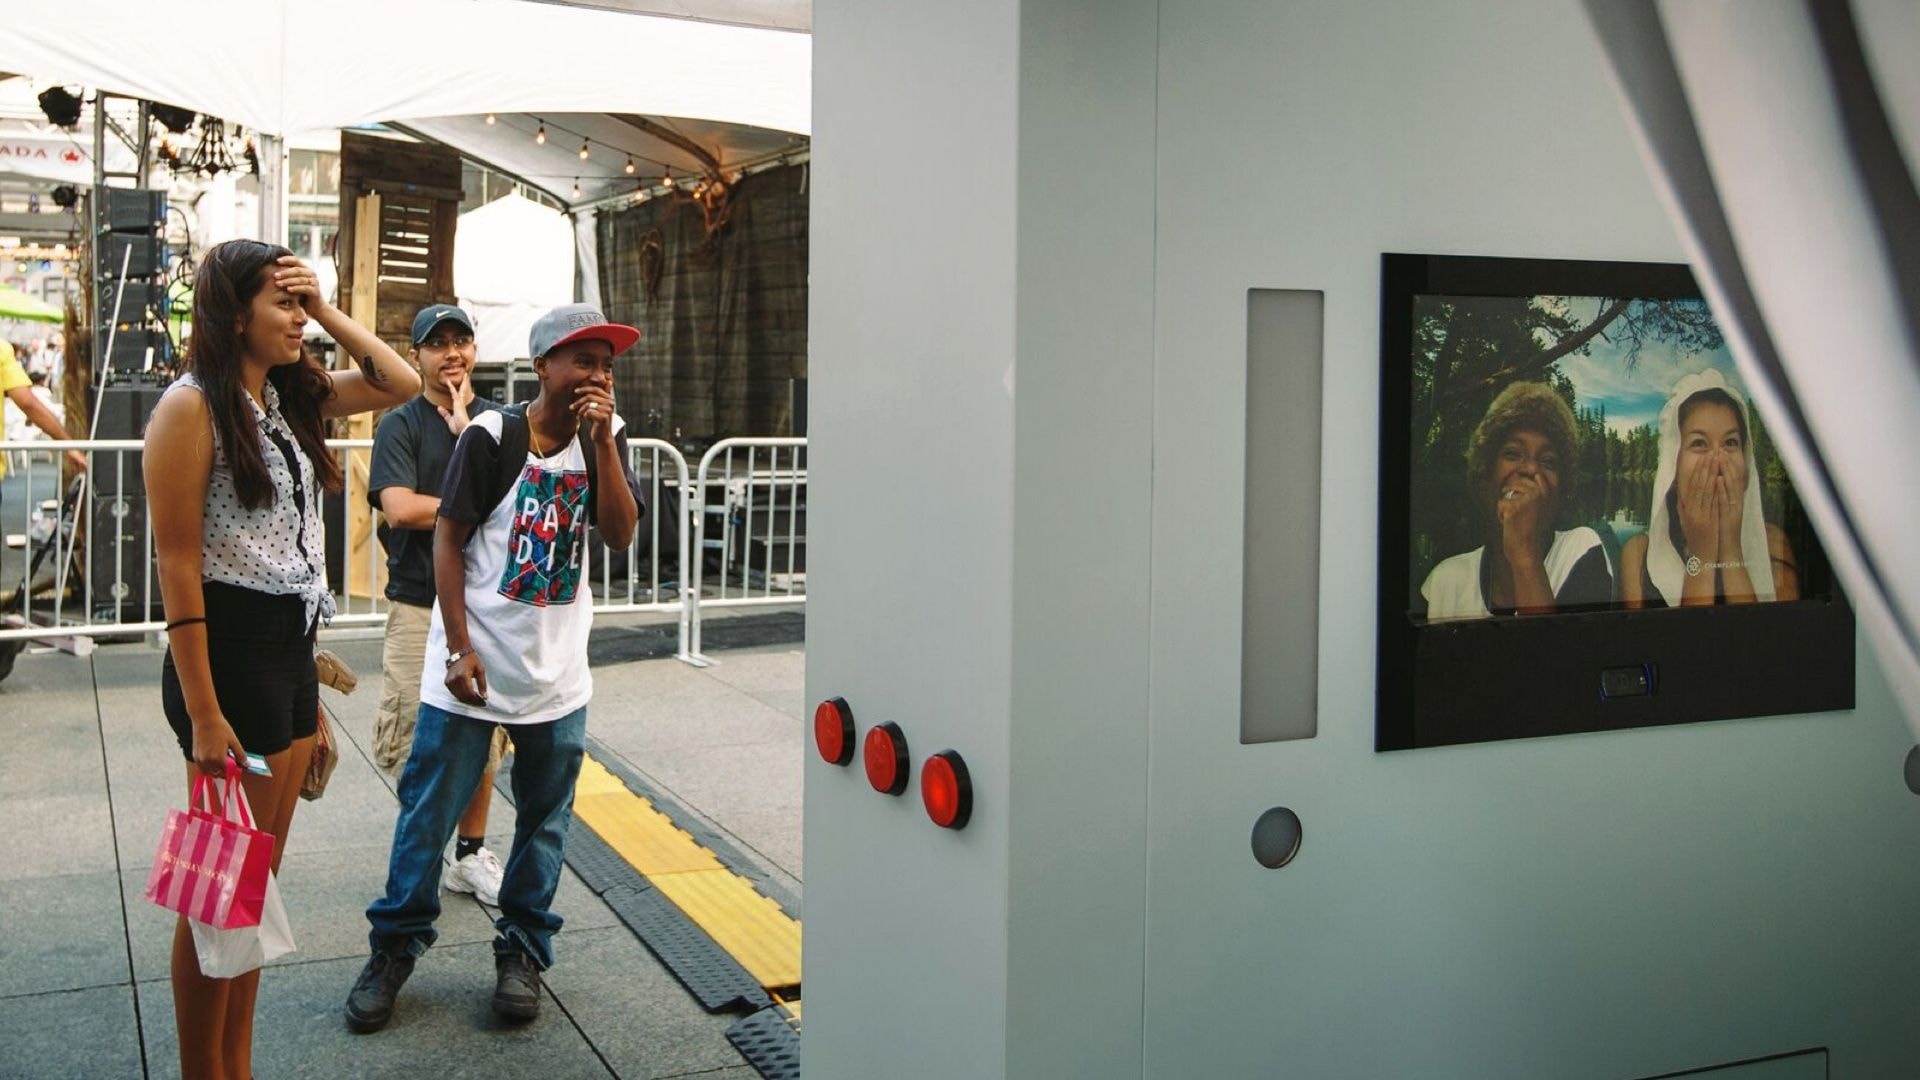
x=1280 y=598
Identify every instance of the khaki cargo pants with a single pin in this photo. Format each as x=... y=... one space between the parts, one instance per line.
x=402 y=659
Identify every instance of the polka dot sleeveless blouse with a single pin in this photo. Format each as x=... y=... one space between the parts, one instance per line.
x=279 y=548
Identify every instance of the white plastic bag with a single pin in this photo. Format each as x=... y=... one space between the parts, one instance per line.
x=227 y=953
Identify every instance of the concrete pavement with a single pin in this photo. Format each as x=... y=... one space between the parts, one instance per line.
x=90 y=769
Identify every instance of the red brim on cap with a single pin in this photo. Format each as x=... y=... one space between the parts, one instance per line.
x=619 y=336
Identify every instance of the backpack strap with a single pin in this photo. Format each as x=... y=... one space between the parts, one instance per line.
x=513 y=451
x=593 y=469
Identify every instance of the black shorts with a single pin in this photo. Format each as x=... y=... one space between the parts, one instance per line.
x=260 y=648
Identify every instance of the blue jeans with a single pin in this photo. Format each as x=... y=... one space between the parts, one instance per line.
x=449 y=757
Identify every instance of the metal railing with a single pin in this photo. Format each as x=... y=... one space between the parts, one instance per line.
x=81 y=554
x=760 y=513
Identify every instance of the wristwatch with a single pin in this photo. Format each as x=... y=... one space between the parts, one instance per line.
x=456 y=655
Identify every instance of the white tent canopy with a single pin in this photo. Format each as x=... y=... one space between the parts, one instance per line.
x=437 y=68
x=556 y=168
x=512 y=261
x=282 y=67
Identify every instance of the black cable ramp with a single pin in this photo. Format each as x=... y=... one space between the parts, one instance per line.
x=720 y=844
x=770 y=1041
x=768 y=1035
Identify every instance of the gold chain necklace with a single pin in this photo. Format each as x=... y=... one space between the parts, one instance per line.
x=535 y=440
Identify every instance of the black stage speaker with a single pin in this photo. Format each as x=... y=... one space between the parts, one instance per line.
x=124 y=409
x=130 y=347
x=138 y=304
x=149 y=256
x=132 y=210
x=125 y=584
x=130 y=257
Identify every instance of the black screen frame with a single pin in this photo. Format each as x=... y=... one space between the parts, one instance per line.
x=1513 y=677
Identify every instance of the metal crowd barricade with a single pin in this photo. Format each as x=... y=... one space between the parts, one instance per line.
x=69 y=596
x=662 y=472
x=43 y=522
x=760 y=487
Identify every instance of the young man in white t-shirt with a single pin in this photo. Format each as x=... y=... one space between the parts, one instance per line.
x=511 y=620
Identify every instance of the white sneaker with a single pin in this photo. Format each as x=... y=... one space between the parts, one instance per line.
x=479 y=874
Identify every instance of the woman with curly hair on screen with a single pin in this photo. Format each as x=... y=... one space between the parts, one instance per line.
x=1520 y=470
x=235 y=461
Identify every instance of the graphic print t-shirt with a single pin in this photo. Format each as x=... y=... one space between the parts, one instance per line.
x=528 y=614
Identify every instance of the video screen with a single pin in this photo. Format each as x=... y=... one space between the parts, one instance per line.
x=1585 y=453
x=1585 y=524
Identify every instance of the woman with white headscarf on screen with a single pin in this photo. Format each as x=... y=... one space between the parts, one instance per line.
x=1706 y=540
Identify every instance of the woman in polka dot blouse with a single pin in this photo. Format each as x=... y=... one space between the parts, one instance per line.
x=235 y=462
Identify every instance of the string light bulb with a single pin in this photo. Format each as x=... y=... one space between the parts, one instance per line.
x=667 y=181
x=631 y=167
x=585 y=153
x=576 y=187
x=540 y=137
x=490 y=119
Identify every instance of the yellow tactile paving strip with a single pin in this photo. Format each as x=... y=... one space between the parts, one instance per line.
x=643 y=835
x=596 y=780
x=751 y=928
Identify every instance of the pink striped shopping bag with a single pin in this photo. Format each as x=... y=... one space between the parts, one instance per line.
x=212 y=864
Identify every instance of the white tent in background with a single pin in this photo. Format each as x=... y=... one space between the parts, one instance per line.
x=480 y=76
x=512 y=260
x=283 y=67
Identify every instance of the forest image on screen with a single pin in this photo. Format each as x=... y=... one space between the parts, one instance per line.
x=1582 y=453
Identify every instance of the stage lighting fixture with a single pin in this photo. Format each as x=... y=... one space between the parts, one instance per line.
x=61 y=107
x=65 y=197
x=173 y=117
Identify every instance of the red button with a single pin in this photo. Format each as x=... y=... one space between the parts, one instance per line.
x=833 y=730
x=887 y=763
x=946 y=790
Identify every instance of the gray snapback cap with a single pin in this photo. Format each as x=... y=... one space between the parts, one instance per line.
x=578 y=322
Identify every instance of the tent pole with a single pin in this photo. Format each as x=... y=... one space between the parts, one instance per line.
x=271 y=152
x=91 y=317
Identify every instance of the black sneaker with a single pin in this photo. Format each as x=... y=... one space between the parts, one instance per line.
x=516 y=993
x=370 y=1003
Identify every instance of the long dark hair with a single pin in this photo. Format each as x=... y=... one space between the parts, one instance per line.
x=230 y=276
x=1712 y=395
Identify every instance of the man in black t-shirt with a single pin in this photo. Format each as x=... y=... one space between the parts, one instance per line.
x=411 y=448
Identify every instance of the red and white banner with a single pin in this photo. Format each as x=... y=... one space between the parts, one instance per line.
x=47 y=152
